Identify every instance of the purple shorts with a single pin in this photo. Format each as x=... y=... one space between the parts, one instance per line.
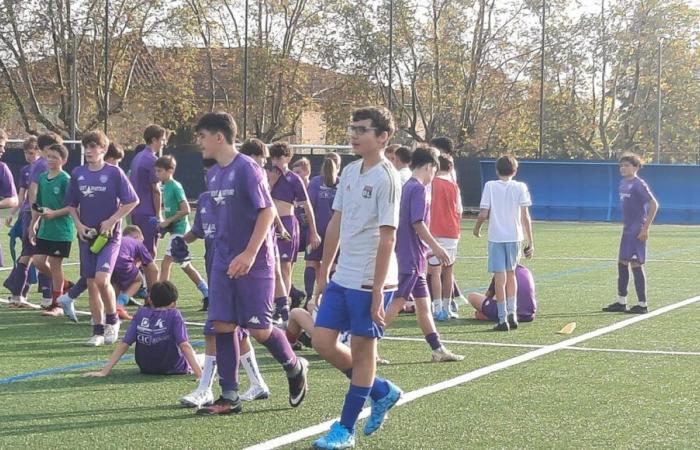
x=147 y=224
x=412 y=285
x=241 y=333
x=632 y=249
x=123 y=280
x=490 y=310
x=246 y=301
x=317 y=254
x=289 y=249
x=104 y=261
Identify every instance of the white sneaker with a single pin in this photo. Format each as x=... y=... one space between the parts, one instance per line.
x=444 y=355
x=68 y=305
x=46 y=303
x=95 y=341
x=256 y=393
x=197 y=399
x=112 y=332
x=454 y=308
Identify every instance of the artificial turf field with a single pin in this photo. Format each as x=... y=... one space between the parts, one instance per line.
x=566 y=398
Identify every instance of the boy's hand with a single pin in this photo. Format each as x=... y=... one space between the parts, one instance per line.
x=377 y=309
x=314 y=240
x=8 y=221
x=100 y=374
x=32 y=235
x=643 y=234
x=529 y=251
x=441 y=254
x=240 y=265
x=107 y=226
x=477 y=231
x=48 y=213
x=82 y=231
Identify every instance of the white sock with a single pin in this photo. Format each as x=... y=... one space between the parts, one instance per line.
x=621 y=300
x=437 y=305
x=250 y=364
x=643 y=304
x=446 y=304
x=208 y=372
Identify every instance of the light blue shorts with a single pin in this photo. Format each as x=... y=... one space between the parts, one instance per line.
x=503 y=256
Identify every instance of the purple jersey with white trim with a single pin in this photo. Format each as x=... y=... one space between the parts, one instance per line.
x=142 y=175
x=99 y=194
x=634 y=202
x=321 y=198
x=158 y=334
x=7 y=183
x=238 y=192
x=132 y=254
x=37 y=168
x=24 y=182
x=411 y=251
x=289 y=188
x=526 y=298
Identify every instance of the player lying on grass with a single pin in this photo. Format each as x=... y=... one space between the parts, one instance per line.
x=160 y=335
x=525 y=303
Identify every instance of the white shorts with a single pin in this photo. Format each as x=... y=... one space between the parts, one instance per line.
x=450 y=245
x=170 y=243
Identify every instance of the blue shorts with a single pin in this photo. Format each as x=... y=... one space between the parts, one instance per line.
x=345 y=309
x=503 y=256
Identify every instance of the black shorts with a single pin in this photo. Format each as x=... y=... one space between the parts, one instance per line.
x=52 y=248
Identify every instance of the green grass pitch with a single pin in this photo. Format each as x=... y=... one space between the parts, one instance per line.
x=566 y=399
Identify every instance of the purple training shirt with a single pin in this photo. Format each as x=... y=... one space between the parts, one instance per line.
x=142 y=175
x=321 y=198
x=411 y=251
x=634 y=202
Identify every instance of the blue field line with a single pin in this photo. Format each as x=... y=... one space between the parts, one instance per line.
x=546 y=277
x=85 y=365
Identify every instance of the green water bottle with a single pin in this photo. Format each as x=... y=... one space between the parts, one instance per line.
x=99 y=243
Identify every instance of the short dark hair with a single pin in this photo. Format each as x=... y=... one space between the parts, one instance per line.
x=446 y=162
x=391 y=148
x=167 y=162
x=60 y=149
x=423 y=156
x=280 y=149
x=506 y=165
x=153 y=132
x=30 y=142
x=133 y=231
x=381 y=118
x=404 y=154
x=114 y=151
x=631 y=158
x=94 y=137
x=444 y=144
x=254 y=147
x=163 y=293
x=48 y=139
x=218 y=122
x=208 y=162
x=139 y=147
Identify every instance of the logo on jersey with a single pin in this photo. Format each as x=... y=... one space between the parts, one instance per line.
x=367 y=191
x=56 y=190
x=89 y=191
x=219 y=197
x=145 y=322
x=209 y=230
x=254 y=320
x=103 y=179
x=106 y=266
x=160 y=324
x=231 y=175
x=81 y=178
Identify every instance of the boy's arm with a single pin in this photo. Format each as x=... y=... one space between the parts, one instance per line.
x=20 y=198
x=188 y=351
x=107 y=226
x=241 y=264
x=157 y=199
x=189 y=237
x=118 y=352
x=33 y=188
x=314 y=238
x=330 y=249
x=55 y=213
x=150 y=271
x=480 y=219
x=183 y=211
x=438 y=251
x=653 y=209
x=387 y=241
x=78 y=224
x=527 y=226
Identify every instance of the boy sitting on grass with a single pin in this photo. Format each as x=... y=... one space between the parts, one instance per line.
x=160 y=334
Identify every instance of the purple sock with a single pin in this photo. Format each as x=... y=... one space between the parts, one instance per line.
x=433 y=340
x=227 y=358
x=623 y=279
x=380 y=387
x=98 y=330
x=111 y=319
x=640 y=283
x=78 y=288
x=294 y=292
x=282 y=307
x=354 y=402
x=309 y=280
x=45 y=285
x=278 y=346
x=17 y=280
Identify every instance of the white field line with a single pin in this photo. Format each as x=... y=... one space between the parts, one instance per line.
x=590 y=258
x=478 y=373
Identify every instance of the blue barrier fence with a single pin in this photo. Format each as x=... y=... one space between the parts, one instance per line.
x=587 y=191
